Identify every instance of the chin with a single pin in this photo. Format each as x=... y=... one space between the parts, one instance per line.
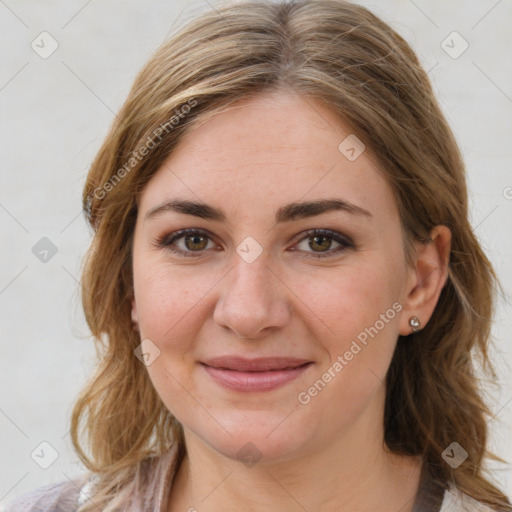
x=254 y=437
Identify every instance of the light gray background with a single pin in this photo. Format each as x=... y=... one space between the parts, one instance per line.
x=55 y=113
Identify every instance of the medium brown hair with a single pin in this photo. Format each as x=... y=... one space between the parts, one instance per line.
x=344 y=56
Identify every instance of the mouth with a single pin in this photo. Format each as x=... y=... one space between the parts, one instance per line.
x=253 y=375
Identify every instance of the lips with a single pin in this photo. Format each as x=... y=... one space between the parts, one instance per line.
x=261 y=364
x=258 y=374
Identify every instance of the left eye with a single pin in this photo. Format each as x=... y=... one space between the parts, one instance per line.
x=186 y=242
x=321 y=241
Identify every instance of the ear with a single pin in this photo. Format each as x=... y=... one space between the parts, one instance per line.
x=427 y=278
x=135 y=316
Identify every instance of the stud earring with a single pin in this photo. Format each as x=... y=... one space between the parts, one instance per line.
x=415 y=323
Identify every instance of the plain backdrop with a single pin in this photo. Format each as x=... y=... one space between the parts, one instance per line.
x=55 y=112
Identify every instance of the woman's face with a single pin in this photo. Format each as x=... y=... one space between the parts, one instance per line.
x=269 y=326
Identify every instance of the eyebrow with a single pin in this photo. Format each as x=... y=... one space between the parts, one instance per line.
x=290 y=212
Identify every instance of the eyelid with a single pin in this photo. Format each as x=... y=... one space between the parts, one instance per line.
x=167 y=240
x=344 y=241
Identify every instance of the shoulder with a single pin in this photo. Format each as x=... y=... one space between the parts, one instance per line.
x=148 y=490
x=58 y=497
x=456 y=501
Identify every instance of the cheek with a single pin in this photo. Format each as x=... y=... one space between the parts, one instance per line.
x=351 y=299
x=168 y=307
x=359 y=310
x=358 y=324
x=168 y=302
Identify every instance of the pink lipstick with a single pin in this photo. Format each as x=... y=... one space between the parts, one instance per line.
x=253 y=375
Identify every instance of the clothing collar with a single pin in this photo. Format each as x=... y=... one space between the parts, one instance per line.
x=154 y=483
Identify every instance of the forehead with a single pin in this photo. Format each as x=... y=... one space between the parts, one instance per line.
x=270 y=150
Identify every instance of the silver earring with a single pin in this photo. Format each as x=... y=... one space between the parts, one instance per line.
x=415 y=323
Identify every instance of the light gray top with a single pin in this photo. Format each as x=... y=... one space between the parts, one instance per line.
x=152 y=483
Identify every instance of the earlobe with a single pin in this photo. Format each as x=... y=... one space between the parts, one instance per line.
x=429 y=277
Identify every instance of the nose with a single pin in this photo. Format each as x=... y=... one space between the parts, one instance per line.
x=253 y=301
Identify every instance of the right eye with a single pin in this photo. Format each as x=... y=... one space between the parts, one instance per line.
x=186 y=242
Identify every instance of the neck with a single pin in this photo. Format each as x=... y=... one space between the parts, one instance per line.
x=353 y=471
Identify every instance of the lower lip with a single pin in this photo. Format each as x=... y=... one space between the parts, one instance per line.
x=254 y=381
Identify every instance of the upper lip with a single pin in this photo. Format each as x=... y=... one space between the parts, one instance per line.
x=259 y=364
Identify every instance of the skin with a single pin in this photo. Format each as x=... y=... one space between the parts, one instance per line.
x=328 y=454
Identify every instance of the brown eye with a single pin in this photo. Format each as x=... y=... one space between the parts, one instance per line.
x=187 y=242
x=195 y=242
x=320 y=243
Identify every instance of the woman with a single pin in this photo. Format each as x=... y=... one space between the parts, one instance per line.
x=284 y=285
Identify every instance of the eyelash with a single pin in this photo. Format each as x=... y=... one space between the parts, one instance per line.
x=345 y=242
